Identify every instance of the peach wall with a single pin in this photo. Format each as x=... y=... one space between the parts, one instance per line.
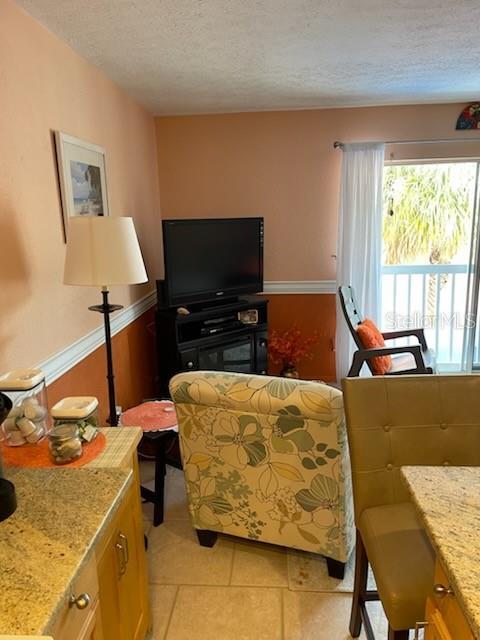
x=282 y=165
x=45 y=86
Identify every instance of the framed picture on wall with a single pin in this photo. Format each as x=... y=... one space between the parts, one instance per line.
x=82 y=175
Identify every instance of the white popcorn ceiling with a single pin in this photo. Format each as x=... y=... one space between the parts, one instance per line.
x=207 y=56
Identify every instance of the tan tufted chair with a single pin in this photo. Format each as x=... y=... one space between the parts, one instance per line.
x=392 y=422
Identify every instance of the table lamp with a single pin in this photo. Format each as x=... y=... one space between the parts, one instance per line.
x=104 y=251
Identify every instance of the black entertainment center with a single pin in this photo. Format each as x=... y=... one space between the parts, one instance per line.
x=204 y=320
x=211 y=339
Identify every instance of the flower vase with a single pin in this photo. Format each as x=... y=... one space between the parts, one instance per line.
x=289 y=370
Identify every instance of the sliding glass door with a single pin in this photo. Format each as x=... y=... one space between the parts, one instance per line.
x=429 y=229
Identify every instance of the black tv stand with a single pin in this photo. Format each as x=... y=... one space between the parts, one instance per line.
x=211 y=337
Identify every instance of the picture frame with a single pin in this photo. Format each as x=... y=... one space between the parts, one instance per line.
x=82 y=176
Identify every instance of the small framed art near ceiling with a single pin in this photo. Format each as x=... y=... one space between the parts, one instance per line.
x=83 y=178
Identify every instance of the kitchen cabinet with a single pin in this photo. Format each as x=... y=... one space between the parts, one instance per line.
x=89 y=565
x=122 y=575
x=444 y=618
x=80 y=616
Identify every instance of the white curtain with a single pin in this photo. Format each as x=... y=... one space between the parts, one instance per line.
x=359 y=242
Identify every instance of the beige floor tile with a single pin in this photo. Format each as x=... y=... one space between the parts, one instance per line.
x=175 y=505
x=323 y=616
x=162 y=598
x=235 y=613
x=175 y=557
x=147 y=526
x=147 y=512
x=147 y=471
x=175 y=496
x=257 y=564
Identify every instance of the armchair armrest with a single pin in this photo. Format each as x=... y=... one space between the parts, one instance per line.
x=419 y=333
x=362 y=355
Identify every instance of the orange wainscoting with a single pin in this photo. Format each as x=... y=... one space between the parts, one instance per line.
x=135 y=357
x=311 y=312
x=134 y=366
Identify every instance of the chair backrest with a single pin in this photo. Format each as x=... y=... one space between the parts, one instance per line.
x=408 y=420
x=274 y=447
x=351 y=311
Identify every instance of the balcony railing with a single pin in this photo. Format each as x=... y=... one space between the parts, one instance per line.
x=432 y=296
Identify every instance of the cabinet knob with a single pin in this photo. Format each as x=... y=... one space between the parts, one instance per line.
x=81 y=602
x=189 y=364
x=262 y=343
x=441 y=591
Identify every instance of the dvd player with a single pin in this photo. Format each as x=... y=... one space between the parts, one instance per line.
x=227 y=326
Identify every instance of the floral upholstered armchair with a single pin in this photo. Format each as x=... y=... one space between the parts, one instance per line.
x=266 y=459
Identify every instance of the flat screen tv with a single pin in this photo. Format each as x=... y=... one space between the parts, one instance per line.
x=212 y=259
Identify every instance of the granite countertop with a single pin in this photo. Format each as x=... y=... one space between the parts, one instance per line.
x=43 y=545
x=448 y=500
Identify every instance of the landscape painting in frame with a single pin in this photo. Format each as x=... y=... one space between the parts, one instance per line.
x=82 y=173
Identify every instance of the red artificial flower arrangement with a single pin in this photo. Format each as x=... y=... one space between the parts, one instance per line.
x=289 y=347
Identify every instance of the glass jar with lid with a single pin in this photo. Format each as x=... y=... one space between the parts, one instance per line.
x=27 y=421
x=64 y=443
x=81 y=411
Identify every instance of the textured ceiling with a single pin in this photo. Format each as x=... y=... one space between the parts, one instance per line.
x=199 y=56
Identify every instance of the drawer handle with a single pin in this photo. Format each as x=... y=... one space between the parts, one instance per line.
x=440 y=591
x=81 y=602
x=418 y=626
x=123 y=564
x=126 y=553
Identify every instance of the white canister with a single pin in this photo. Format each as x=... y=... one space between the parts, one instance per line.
x=27 y=422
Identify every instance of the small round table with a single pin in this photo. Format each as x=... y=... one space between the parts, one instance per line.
x=159 y=443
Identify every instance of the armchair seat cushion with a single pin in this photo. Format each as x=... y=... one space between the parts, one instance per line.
x=402 y=561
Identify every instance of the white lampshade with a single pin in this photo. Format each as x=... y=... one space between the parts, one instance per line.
x=103 y=251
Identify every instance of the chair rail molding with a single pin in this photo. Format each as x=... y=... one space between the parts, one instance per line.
x=64 y=360
x=300 y=286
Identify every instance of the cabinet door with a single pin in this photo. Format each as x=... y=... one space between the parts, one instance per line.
x=122 y=578
x=450 y=610
x=436 y=628
x=71 y=621
x=93 y=627
x=132 y=586
x=108 y=576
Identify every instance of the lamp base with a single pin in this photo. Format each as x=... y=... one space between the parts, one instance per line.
x=106 y=309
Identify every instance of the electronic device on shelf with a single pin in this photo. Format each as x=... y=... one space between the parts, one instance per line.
x=210 y=261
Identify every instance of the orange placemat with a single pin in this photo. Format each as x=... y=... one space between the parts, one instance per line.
x=151 y=416
x=37 y=455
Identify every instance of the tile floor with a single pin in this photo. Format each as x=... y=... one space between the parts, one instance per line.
x=237 y=590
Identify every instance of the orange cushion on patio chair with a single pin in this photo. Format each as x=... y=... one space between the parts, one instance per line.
x=371 y=338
